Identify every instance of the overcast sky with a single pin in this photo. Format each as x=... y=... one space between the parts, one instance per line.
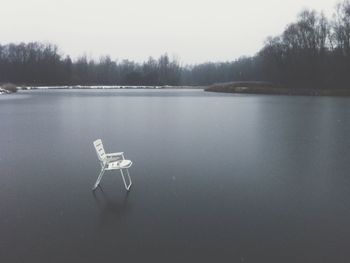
x=193 y=30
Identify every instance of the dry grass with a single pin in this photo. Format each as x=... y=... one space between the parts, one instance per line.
x=255 y=87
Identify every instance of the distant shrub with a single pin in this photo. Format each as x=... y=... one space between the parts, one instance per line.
x=10 y=87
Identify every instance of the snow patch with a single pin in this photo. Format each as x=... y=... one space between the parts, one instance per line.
x=4 y=91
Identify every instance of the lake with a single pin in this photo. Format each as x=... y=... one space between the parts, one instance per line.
x=216 y=177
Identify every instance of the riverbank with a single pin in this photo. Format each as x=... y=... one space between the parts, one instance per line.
x=253 y=87
x=110 y=87
x=8 y=89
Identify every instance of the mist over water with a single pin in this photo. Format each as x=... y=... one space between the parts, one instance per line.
x=216 y=178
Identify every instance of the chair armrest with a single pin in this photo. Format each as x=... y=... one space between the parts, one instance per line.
x=115 y=154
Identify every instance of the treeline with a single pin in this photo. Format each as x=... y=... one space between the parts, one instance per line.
x=41 y=64
x=311 y=52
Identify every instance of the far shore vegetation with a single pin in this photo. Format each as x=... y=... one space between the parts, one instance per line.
x=312 y=53
x=259 y=87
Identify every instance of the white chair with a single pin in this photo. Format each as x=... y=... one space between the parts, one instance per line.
x=111 y=161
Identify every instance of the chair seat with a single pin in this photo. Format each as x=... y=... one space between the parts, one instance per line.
x=121 y=164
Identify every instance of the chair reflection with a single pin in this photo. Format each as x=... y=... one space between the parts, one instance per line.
x=110 y=208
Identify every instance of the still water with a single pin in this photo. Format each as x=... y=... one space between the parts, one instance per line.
x=216 y=177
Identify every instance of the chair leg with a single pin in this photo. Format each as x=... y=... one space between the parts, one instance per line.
x=127 y=171
x=99 y=178
x=127 y=187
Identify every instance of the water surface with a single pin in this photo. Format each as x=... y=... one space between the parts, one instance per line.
x=217 y=177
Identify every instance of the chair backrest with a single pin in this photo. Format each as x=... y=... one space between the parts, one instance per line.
x=101 y=154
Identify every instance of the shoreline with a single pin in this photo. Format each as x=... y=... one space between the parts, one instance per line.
x=248 y=87
x=96 y=87
x=92 y=87
x=265 y=88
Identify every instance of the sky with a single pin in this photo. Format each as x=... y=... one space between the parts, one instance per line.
x=192 y=31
